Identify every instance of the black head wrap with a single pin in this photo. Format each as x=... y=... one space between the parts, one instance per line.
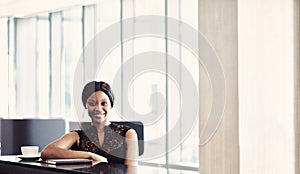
x=95 y=86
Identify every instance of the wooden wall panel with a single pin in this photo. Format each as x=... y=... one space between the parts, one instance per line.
x=218 y=23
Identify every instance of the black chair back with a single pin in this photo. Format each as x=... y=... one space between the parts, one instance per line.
x=19 y=132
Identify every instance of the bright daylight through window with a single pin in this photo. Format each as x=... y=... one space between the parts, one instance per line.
x=40 y=70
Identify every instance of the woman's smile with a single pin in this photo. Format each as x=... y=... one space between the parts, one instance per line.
x=99 y=115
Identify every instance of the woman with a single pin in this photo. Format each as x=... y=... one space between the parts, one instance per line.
x=103 y=141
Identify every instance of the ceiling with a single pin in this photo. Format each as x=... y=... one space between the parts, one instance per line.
x=28 y=8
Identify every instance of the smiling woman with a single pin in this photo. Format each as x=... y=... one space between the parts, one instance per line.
x=103 y=141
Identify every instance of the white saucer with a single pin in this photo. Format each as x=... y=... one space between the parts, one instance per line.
x=22 y=157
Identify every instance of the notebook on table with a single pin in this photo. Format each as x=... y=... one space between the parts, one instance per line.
x=68 y=161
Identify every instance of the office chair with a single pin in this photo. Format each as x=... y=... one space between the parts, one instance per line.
x=19 y=132
x=136 y=125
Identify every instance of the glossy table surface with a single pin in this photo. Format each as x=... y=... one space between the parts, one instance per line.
x=13 y=164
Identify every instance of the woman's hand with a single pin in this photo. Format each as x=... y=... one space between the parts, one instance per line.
x=97 y=158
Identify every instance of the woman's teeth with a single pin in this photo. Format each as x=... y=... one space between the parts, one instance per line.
x=99 y=115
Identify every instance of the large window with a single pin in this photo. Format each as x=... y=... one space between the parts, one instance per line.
x=39 y=56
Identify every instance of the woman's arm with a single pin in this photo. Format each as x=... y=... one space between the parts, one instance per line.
x=60 y=149
x=132 y=148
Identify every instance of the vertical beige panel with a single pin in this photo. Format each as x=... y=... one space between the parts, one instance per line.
x=218 y=23
x=297 y=82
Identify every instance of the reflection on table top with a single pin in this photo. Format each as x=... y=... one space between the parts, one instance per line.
x=13 y=164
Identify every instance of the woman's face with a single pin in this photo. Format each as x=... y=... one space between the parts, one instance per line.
x=98 y=105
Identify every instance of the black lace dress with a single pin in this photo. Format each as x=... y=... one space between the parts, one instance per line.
x=114 y=145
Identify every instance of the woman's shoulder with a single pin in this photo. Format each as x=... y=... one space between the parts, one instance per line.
x=71 y=136
x=131 y=134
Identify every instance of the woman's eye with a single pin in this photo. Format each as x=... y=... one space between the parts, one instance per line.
x=92 y=103
x=104 y=103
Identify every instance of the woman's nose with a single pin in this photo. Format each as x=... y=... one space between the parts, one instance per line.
x=99 y=107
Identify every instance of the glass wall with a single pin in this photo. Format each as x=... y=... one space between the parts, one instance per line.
x=39 y=56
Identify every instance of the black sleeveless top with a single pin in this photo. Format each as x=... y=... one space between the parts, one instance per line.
x=113 y=147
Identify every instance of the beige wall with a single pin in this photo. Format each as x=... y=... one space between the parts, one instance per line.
x=258 y=44
x=266 y=86
x=218 y=23
x=297 y=81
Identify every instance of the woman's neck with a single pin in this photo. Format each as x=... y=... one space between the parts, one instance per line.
x=100 y=126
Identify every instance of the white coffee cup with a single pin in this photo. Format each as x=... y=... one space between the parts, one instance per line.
x=29 y=150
